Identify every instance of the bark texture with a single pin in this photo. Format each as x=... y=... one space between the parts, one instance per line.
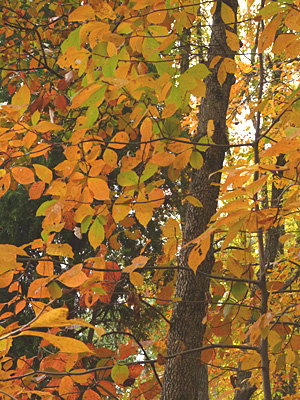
x=185 y=378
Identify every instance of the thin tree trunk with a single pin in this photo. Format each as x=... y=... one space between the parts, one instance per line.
x=185 y=378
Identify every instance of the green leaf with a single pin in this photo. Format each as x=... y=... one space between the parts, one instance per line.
x=150 y=170
x=238 y=291
x=98 y=290
x=196 y=160
x=86 y=223
x=110 y=66
x=96 y=234
x=92 y=115
x=97 y=97
x=272 y=9
x=55 y=290
x=119 y=373
x=127 y=178
x=204 y=140
x=72 y=40
x=43 y=207
x=199 y=71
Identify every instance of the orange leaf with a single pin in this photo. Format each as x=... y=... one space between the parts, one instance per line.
x=82 y=13
x=38 y=289
x=23 y=175
x=122 y=138
x=73 y=277
x=36 y=190
x=163 y=159
x=99 y=188
x=6 y=279
x=45 y=268
x=137 y=262
x=207 y=355
x=65 y=386
x=89 y=394
x=164 y=295
x=106 y=387
x=136 y=279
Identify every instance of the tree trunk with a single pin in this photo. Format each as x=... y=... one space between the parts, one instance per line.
x=185 y=378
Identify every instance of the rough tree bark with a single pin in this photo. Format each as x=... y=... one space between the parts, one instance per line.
x=185 y=378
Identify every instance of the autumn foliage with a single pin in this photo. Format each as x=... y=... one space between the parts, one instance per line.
x=98 y=125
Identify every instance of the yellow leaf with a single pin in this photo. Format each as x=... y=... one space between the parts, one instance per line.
x=251 y=360
x=22 y=97
x=214 y=61
x=5 y=344
x=65 y=344
x=110 y=158
x=55 y=290
x=233 y=41
x=136 y=279
x=292 y=20
x=233 y=231
x=268 y=34
x=44 y=173
x=58 y=317
x=194 y=201
x=229 y=65
x=282 y=42
x=23 y=175
x=196 y=159
x=102 y=9
x=198 y=253
x=73 y=277
x=120 y=211
x=210 y=127
x=234 y=266
x=227 y=14
x=45 y=126
x=169 y=110
x=60 y=249
x=157 y=17
x=290 y=357
x=146 y=129
x=82 y=13
x=273 y=338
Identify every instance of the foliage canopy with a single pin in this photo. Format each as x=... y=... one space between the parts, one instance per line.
x=101 y=138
